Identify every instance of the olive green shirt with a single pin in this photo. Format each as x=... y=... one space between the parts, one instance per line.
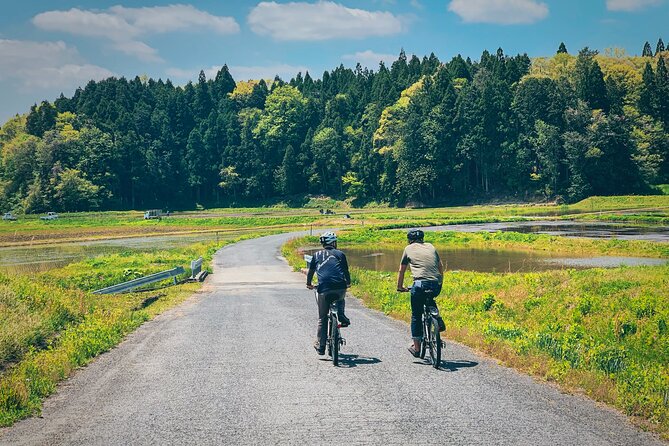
x=423 y=260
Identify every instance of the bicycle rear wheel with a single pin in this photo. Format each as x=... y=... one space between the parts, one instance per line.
x=335 y=340
x=435 y=340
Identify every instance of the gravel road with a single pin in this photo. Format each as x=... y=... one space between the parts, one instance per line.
x=235 y=365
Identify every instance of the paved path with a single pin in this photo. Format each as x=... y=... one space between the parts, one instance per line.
x=234 y=365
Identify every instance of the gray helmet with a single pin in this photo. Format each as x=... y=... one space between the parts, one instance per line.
x=328 y=238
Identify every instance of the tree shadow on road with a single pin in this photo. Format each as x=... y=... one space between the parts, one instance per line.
x=450 y=366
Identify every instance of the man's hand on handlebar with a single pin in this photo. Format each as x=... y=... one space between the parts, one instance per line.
x=403 y=289
x=310 y=286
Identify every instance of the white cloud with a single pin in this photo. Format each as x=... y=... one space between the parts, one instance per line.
x=138 y=49
x=322 y=20
x=163 y=19
x=124 y=26
x=241 y=73
x=46 y=65
x=630 y=5
x=86 y=23
x=370 y=59
x=502 y=12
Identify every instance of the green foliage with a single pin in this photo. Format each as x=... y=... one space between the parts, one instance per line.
x=418 y=132
x=487 y=301
x=75 y=193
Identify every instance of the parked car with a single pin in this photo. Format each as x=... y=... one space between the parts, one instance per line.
x=153 y=214
x=9 y=216
x=49 y=216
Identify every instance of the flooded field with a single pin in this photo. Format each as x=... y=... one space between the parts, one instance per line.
x=34 y=259
x=568 y=228
x=489 y=260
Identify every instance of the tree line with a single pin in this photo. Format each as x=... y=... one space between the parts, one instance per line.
x=419 y=130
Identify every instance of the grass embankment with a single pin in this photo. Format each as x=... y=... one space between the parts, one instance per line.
x=51 y=323
x=601 y=332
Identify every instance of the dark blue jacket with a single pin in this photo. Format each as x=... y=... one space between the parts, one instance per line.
x=331 y=268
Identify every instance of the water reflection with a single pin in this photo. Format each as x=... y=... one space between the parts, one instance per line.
x=488 y=260
x=568 y=228
x=38 y=258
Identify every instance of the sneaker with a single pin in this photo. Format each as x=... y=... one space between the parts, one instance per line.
x=320 y=350
x=344 y=321
x=442 y=325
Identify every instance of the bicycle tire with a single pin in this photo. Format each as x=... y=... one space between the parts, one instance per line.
x=427 y=336
x=423 y=342
x=335 y=341
x=436 y=347
x=329 y=337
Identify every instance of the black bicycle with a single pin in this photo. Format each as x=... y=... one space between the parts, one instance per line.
x=431 y=338
x=335 y=341
x=431 y=342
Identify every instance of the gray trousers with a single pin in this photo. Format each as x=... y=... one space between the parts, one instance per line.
x=324 y=301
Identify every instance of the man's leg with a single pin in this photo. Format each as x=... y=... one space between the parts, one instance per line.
x=417 y=301
x=322 y=331
x=341 y=306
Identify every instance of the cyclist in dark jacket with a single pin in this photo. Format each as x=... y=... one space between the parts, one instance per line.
x=331 y=268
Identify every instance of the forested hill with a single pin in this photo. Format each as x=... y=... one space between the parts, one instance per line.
x=417 y=131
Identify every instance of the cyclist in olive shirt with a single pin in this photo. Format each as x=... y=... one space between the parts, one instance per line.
x=428 y=273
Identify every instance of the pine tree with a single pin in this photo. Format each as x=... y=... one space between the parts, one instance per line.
x=660 y=47
x=223 y=84
x=562 y=49
x=597 y=96
x=646 y=95
x=203 y=103
x=589 y=80
x=661 y=93
x=647 y=50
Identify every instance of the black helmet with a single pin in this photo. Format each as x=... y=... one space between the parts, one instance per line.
x=415 y=235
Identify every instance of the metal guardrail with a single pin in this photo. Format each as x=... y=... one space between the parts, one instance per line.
x=196 y=268
x=157 y=277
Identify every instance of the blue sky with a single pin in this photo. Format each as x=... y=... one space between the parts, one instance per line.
x=53 y=46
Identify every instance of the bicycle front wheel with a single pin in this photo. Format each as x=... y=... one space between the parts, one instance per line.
x=423 y=342
x=435 y=341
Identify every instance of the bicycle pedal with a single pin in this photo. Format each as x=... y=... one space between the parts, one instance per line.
x=443 y=344
x=343 y=341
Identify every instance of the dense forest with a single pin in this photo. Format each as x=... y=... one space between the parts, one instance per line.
x=419 y=131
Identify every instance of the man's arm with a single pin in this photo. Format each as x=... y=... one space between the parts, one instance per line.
x=344 y=265
x=400 y=277
x=310 y=274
